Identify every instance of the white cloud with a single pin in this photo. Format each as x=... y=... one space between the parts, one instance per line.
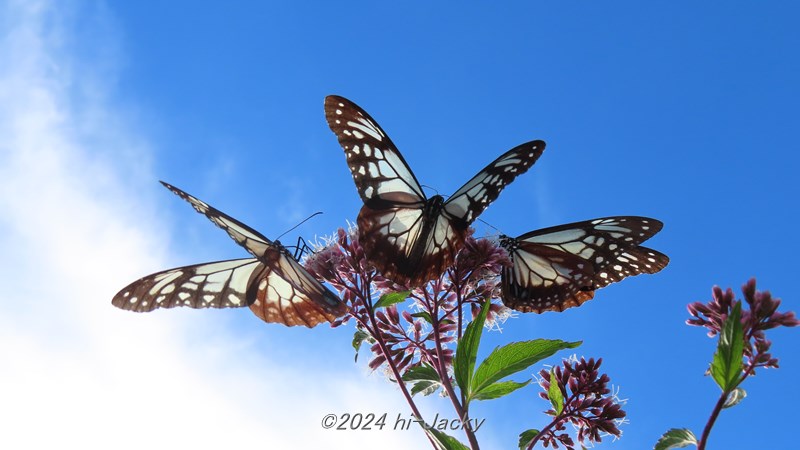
x=77 y=224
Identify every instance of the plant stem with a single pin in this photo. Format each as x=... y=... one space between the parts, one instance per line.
x=378 y=336
x=542 y=432
x=448 y=387
x=714 y=414
x=701 y=445
x=567 y=412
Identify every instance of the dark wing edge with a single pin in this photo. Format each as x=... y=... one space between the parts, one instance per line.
x=253 y=241
x=290 y=295
x=468 y=202
x=234 y=284
x=275 y=286
x=542 y=278
x=607 y=250
x=380 y=172
x=221 y=284
x=398 y=249
x=643 y=228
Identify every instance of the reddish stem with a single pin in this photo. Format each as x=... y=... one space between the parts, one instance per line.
x=448 y=387
x=378 y=336
x=701 y=445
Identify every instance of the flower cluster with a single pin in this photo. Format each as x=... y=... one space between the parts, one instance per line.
x=587 y=404
x=434 y=320
x=762 y=315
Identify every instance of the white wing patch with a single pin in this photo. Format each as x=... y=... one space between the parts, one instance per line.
x=561 y=267
x=250 y=239
x=468 y=202
x=213 y=285
x=406 y=236
x=367 y=126
x=272 y=278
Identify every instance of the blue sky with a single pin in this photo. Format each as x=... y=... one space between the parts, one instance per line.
x=674 y=110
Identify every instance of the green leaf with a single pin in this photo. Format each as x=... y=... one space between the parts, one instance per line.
x=391 y=298
x=444 y=441
x=358 y=338
x=425 y=387
x=425 y=315
x=554 y=393
x=467 y=351
x=676 y=438
x=499 y=389
x=526 y=437
x=512 y=358
x=425 y=379
x=421 y=372
x=736 y=396
x=726 y=367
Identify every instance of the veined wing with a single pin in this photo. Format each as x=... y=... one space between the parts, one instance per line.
x=561 y=267
x=274 y=285
x=467 y=203
x=286 y=295
x=223 y=284
x=382 y=176
x=253 y=241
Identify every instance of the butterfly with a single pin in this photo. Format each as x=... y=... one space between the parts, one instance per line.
x=272 y=283
x=408 y=237
x=560 y=267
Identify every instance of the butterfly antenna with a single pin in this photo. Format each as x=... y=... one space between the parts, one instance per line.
x=429 y=187
x=304 y=221
x=500 y=233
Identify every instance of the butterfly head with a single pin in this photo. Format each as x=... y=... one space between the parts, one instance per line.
x=507 y=242
x=281 y=247
x=433 y=207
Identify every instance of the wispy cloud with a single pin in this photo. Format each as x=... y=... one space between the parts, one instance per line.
x=78 y=223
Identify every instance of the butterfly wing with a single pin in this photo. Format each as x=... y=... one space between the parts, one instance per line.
x=288 y=294
x=274 y=285
x=223 y=284
x=560 y=267
x=392 y=223
x=467 y=203
x=382 y=176
x=407 y=237
x=447 y=224
x=253 y=241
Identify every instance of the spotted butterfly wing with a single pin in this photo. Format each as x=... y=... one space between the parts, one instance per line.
x=273 y=284
x=406 y=236
x=561 y=267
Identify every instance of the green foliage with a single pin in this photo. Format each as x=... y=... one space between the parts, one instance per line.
x=512 y=358
x=424 y=378
x=467 y=350
x=676 y=438
x=726 y=367
x=736 y=396
x=526 y=437
x=359 y=337
x=499 y=389
x=554 y=393
x=425 y=315
x=444 y=441
x=483 y=383
x=391 y=298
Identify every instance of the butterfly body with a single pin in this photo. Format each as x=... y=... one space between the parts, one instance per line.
x=561 y=267
x=435 y=242
x=406 y=236
x=272 y=283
